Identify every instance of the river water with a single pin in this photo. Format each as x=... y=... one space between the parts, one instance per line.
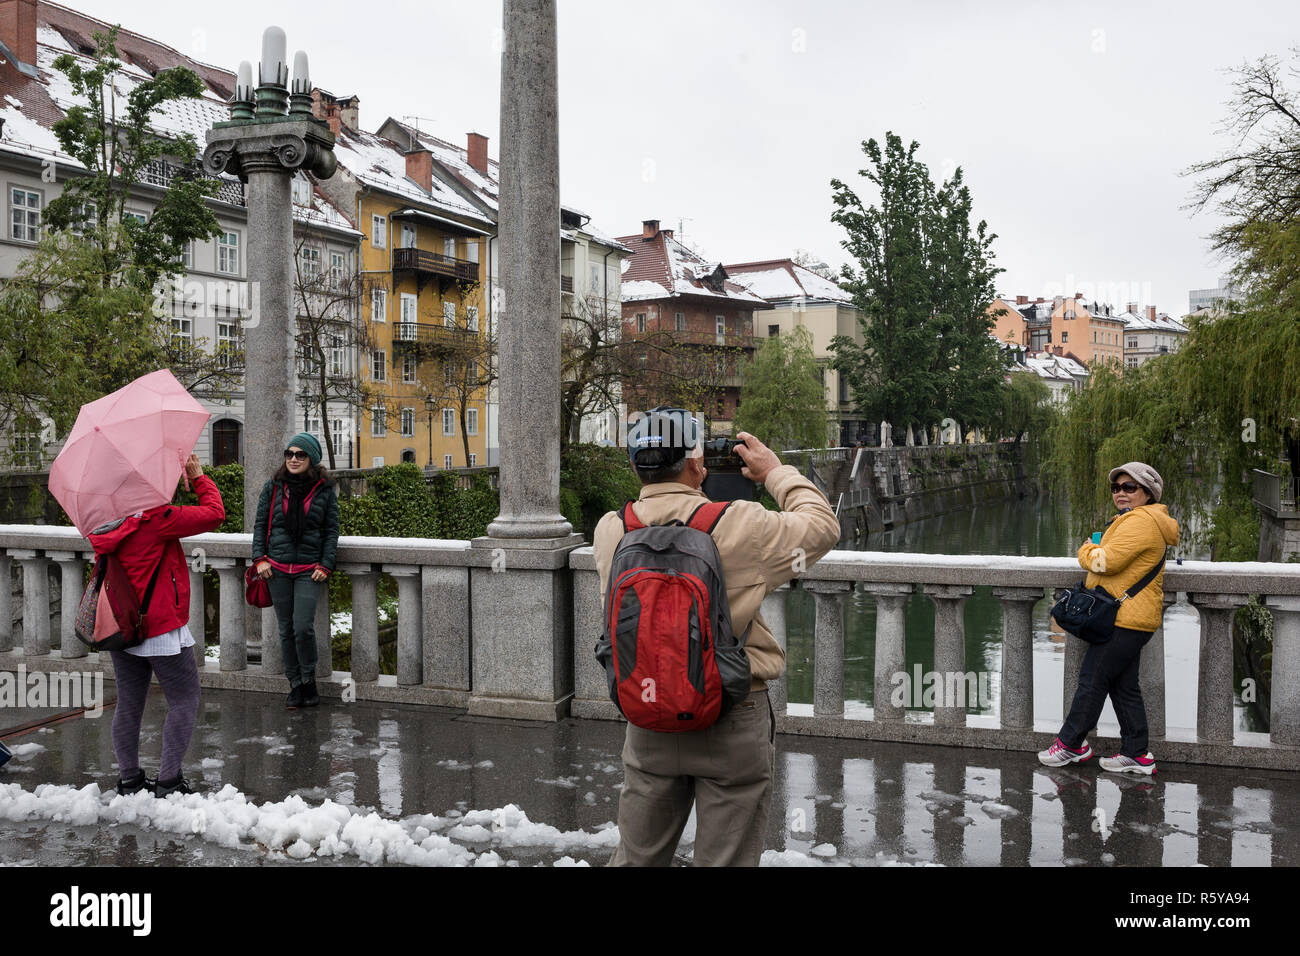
x=1034 y=527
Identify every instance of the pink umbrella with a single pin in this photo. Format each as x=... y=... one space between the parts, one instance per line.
x=127 y=450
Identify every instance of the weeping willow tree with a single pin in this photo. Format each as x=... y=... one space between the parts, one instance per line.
x=1229 y=399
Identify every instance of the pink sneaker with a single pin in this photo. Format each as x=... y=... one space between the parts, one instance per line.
x=1120 y=764
x=1058 y=755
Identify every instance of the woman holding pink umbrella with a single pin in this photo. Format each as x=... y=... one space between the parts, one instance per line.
x=145 y=541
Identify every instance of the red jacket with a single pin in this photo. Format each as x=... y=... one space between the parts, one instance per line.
x=139 y=540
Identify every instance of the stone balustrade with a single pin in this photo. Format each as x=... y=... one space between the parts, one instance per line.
x=1018 y=583
x=456 y=630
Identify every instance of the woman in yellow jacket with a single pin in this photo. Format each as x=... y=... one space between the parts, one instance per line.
x=1132 y=545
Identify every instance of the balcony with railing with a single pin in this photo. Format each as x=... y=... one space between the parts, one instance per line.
x=431 y=338
x=743 y=340
x=425 y=265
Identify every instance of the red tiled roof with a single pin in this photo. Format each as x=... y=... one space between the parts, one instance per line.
x=673 y=267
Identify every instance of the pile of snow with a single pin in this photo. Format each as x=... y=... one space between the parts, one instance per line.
x=300 y=830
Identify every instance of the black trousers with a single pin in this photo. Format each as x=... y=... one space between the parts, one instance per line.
x=1110 y=669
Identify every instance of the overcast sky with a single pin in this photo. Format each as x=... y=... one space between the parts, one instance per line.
x=1072 y=121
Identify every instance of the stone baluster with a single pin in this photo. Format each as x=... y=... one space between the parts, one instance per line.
x=828 y=647
x=950 y=651
x=1284 y=704
x=324 y=634
x=6 y=603
x=891 y=644
x=1151 y=674
x=1074 y=649
x=198 y=620
x=36 y=603
x=72 y=585
x=268 y=625
x=365 y=621
x=773 y=612
x=445 y=592
x=230 y=576
x=410 y=653
x=1018 y=655
x=1214 y=719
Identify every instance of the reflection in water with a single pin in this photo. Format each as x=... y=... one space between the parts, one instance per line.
x=1034 y=527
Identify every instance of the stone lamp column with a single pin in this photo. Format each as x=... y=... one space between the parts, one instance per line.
x=521 y=592
x=270 y=136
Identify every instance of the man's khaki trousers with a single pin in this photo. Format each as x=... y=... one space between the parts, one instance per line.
x=725 y=770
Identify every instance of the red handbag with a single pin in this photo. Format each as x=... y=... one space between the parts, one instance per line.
x=256 y=591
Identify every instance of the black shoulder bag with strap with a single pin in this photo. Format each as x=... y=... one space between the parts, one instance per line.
x=1089 y=613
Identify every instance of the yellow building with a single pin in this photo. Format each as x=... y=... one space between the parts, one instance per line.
x=425 y=209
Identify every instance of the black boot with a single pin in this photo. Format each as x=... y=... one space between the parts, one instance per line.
x=134 y=783
x=309 y=696
x=179 y=785
x=294 y=700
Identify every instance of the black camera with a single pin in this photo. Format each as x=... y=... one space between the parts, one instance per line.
x=724 y=482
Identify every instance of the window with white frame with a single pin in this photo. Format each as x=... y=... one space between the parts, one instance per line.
x=471 y=250
x=471 y=421
x=26 y=448
x=139 y=218
x=377 y=461
x=408 y=236
x=681 y=321
x=446 y=461
x=338 y=357
x=449 y=314
x=407 y=328
x=337 y=431
x=471 y=318
x=449 y=373
x=721 y=326
x=378 y=305
x=378 y=422
x=408 y=422
x=595 y=277
x=640 y=321
x=227 y=343
x=379 y=232
x=448 y=422
x=338 y=263
x=187 y=255
x=313 y=423
x=409 y=365
x=473 y=459
x=449 y=248
x=24 y=215
x=301 y=190
x=309 y=263
x=182 y=333
x=378 y=366
x=228 y=253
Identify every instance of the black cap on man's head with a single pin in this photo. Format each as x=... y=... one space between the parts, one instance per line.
x=662 y=437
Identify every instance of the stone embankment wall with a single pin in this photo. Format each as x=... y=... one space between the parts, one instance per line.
x=878 y=488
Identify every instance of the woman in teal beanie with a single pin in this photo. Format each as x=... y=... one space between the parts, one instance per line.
x=295 y=540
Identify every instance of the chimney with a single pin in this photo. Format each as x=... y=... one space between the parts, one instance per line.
x=1078 y=295
x=325 y=107
x=419 y=166
x=478 y=157
x=1131 y=307
x=649 y=228
x=668 y=233
x=18 y=29
x=350 y=113
x=1022 y=300
x=1151 y=312
x=1058 y=301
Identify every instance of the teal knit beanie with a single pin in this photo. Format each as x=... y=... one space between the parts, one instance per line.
x=307 y=443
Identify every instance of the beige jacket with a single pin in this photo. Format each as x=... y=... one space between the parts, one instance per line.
x=759 y=549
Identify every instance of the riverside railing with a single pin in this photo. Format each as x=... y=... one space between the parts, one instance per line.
x=1215 y=590
x=436 y=637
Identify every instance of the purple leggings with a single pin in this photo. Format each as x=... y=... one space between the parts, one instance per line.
x=179 y=679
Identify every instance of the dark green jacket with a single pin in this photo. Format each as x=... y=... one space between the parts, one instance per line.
x=320 y=533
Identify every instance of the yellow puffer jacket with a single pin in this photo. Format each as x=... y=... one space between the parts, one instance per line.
x=1132 y=545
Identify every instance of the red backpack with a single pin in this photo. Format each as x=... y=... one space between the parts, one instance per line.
x=670 y=657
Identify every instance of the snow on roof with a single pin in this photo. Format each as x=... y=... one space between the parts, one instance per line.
x=662 y=267
x=381 y=164
x=1135 y=322
x=486 y=188
x=785 y=279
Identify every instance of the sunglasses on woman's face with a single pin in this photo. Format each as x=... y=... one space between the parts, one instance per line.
x=300 y=455
x=1127 y=487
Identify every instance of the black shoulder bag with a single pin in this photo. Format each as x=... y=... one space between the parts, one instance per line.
x=1089 y=613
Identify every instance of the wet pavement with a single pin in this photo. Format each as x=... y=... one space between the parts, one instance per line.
x=429 y=769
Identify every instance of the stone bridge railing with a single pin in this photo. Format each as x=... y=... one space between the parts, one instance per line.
x=461 y=644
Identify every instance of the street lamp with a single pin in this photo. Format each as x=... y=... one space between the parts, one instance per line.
x=428 y=407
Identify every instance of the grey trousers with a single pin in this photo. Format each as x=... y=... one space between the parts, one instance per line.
x=725 y=771
x=294 y=598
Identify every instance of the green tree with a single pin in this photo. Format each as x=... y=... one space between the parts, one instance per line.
x=782 y=400
x=1026 y=407
x=923 y=281
x=81 y=316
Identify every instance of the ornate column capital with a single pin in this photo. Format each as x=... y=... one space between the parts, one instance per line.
x=270 y=144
